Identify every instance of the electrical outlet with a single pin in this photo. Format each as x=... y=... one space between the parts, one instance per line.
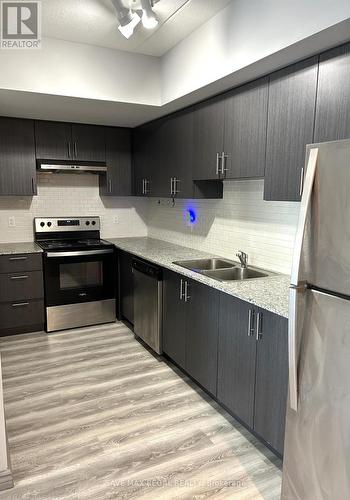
x=116 y=220
x=12 y=222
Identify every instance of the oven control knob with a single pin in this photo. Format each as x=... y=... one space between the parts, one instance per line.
x=93 y=222
x=87 y=223
x=42 y=224
x=49 y=224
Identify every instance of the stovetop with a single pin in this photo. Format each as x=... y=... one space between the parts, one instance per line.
x=72 y=244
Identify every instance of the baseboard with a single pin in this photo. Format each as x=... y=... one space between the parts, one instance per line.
x=6 y=480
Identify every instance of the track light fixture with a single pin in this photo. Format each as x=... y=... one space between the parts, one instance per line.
x=129 y=18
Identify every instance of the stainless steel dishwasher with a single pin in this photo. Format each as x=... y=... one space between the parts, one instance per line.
x=148 y=288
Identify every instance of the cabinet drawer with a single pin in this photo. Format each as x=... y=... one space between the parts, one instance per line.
x=16 y=263
x=17 y=286
x=21 y=316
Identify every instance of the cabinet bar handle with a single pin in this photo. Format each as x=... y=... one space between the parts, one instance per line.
x=259 y=332
x=181 y=289
x=218 y=157
x=75 y=149
x=109 y=185
x=19 y=277
x=176 y=190
x=171 y=187
x=33 y=185
x=187 y=297
x=18 y=258
x=146 y=186
x=251 y=322
x=69 y=151
x=143 y=186
x=21 y=304
x=301 y=181
x=224 y=169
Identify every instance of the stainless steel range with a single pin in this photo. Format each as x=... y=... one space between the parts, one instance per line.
x=79 y=272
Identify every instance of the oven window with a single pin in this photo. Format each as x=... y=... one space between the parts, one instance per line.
x=81 y=275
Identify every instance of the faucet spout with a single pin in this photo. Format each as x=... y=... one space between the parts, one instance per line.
x=243 y=257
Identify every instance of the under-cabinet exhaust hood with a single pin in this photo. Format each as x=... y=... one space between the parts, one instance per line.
x=71 y=167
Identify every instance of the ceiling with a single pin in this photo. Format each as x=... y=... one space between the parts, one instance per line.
x=94 y=22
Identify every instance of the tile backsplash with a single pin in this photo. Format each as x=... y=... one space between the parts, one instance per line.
x=71 y=195
x=242 y=220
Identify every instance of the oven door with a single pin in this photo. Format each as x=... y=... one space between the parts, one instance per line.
x=79 y=276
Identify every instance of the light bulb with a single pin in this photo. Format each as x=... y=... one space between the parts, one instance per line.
x=149 y=21
x=128 y=29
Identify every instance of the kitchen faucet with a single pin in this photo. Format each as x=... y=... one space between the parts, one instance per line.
x=243 y=257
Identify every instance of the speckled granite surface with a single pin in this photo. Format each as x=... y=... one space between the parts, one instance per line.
x=26 y=247
x=270 y=293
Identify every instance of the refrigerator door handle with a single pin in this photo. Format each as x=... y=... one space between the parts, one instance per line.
x=304 y=210
x=292 y=349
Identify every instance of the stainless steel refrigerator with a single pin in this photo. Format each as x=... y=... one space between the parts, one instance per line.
x=317 y=440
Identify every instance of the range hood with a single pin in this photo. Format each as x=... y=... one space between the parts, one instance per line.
x=76 y=167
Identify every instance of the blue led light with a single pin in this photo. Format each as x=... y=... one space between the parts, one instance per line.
x=191 y=215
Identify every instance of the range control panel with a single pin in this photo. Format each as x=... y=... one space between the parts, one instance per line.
x=54 y=224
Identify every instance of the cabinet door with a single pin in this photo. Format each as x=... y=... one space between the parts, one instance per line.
x=17 y=157
x=126 y=287
x=202 y=321
x=271 y=379
x=174 y=333
x=245 y=130
x=117 y=181
x=145 y=159
x=208 y=138
x=333 y=96
x=88 y=142
x=53 y=140
x=175 y=143
x=236 y=357
x=291 y=113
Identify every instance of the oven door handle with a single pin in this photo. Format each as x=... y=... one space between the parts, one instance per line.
x=81 y=253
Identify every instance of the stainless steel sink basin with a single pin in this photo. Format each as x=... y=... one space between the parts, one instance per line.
x=206 y=264
x=236 y=274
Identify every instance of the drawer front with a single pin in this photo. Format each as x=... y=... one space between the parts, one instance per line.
x=26 y=285
x=16 y=263
x=21 y=315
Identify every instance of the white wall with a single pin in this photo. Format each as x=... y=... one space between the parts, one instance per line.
x=241 y=221
x=71 y=195
x=80 y=70
x=241 y=34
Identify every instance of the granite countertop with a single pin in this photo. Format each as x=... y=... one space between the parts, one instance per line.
x=269 y=293
x=25 y=247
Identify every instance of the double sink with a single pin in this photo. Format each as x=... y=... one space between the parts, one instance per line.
x=223 y=270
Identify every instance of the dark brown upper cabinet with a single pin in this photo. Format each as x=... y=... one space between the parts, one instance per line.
x=208 y=138
x=66 y=141
x=333 y=96
x=291 y=115
x=117 y=181
x=17 y=157
x=245 y=131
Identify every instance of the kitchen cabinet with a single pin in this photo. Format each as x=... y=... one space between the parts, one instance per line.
x=117 y=181
x=333 y=95
x=245 y=131
x=53 y=140
x=271 y=385
x=126 y=287
x=145 y=158
x=208 y=138
x=21 y=293
x=190 y=327
x=174 y=318
x=17 y=157
x=66 y=141
x=291 y=114
x=253 y=367
x=236 y=357
x=202 y=322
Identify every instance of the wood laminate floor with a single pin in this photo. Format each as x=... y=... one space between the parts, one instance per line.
x=91 y=414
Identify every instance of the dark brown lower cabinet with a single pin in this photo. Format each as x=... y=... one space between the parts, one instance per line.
x=174 y=319
x=21 y=294
x=236 y=358
x=202 y=322
x=271 y=382
x=253 y=368
x=126 y=287
x=190 y=327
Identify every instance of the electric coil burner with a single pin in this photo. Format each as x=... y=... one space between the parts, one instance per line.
x=79 y=272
